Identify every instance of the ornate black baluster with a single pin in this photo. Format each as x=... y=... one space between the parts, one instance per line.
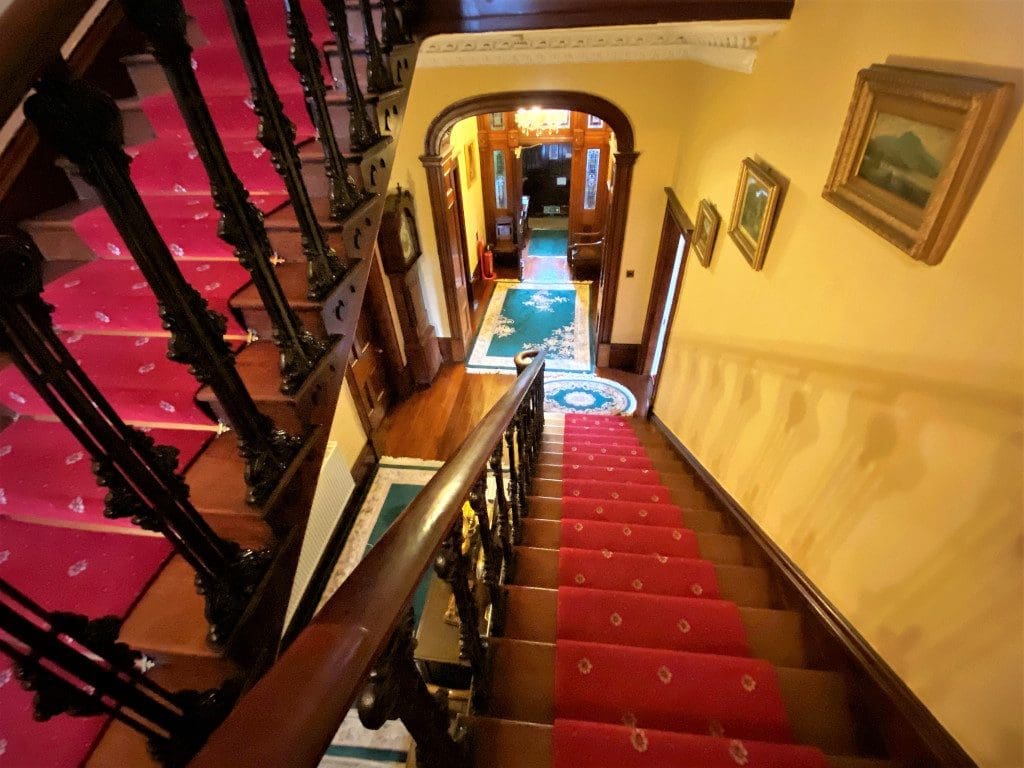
x=515 y=481
x=396 y=690
x=453 y=566
x=84 y=124
x=140 y=476
x=503 y=525
x=241 y=223
x=492 y=549
x=277 y=134
x=344 y=197
x=378 y=76
x=392 y=30
x=363 y=132
x=75 y=665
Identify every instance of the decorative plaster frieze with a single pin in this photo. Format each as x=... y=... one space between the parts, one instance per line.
x=727 y=44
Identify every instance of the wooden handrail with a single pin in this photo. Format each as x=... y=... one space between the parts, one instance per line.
x=32 y=35
x=288 y=718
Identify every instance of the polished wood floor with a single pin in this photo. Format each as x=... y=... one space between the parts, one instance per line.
x=433 y=422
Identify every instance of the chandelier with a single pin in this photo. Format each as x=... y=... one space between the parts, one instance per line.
x=542 y=122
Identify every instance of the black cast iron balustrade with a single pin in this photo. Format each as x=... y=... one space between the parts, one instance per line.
x=502 y=514
x=395 y=690
x=140 y=477
x=392 y=28
x=488 y=538
x=75 y=665
x=84 y=124
x=517 y=489
x=277 y=133
x=305 y=57
x=454 y=567
x=363 y=132
x=378 y=75
x=241 y=223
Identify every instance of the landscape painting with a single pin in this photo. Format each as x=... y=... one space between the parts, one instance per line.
x=913 y=151
x=905 y=156
x=754 y=211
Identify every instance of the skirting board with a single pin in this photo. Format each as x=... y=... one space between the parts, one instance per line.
x=913 y=735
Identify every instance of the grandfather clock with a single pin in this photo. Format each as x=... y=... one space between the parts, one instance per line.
x=399 y=249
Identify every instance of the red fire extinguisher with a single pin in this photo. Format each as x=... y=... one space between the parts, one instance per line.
x=486 y=255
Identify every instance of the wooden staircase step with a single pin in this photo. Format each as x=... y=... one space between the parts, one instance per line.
x=120 y=746
x=661 y=464
x=716 y=547
x=773 y=635
x=547 y=471
x=816 y=702
x=54 y=233
x=700 y=519
x=685 y=496
x=258 y=366
x=741 y=584
x=553 y=445
x=498 y=743
x=352 y=236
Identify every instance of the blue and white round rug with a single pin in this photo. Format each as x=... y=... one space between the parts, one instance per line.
x=571 y=393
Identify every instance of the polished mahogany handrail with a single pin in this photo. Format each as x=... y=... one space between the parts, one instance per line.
x=33 y=33
x=288 y=718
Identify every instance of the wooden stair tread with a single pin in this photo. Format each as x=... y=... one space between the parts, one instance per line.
x=293 y=276
x=774 y=635
x=169 y=617
x=815 y=701
x=716 y=547
x=216 y=479
x=700 y=519
x=499 y=743
x=548 y=471
x=683 y=495
x=741 y=584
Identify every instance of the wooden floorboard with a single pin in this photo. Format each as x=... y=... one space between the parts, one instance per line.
x=432 y=423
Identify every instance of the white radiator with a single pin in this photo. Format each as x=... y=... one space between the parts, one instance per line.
x=334 y=487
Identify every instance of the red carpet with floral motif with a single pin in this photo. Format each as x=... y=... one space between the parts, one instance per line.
x=652 y=669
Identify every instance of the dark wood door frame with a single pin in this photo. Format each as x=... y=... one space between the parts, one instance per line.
x=437 y=144
x=677 y=224
x=460 y=208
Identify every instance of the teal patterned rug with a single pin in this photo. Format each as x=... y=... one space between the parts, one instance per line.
x=551 y=316
x=549 y=242
x=587 y=394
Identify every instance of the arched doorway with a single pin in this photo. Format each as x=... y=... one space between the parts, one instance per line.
x=440 y=190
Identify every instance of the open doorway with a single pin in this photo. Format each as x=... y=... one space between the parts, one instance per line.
x=553 y=183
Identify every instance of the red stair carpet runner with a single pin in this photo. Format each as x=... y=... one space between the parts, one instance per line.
x=55 y=543
x=652 y=670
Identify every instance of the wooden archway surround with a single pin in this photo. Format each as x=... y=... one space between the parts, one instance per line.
x=435 y=150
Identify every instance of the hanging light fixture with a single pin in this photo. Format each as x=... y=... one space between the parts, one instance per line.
x=542 y=122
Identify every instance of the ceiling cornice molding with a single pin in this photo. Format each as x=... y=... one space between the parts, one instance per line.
x=729 y=45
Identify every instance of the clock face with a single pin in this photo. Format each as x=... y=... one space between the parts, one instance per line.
x=407 y=237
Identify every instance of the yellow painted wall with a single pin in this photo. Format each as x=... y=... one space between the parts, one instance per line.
x=864 y=408
x=637 y=88
x=463 y=134
x=346 y=429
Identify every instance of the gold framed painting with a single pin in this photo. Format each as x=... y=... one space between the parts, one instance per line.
x=754 y=211
x=912 y=153
x=705 y=231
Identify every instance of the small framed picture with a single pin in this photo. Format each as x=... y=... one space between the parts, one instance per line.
x=754 y=211
x=913 y=152
x=470 y=163
x=705 y=231
x=594 y=122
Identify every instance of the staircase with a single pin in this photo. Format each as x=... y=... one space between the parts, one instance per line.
x=641 y=630
x=56 y=543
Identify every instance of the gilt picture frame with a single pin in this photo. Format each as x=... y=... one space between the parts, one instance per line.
x=705 y=231
x=754 y=211
x=913 y=151
x=470 y=163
